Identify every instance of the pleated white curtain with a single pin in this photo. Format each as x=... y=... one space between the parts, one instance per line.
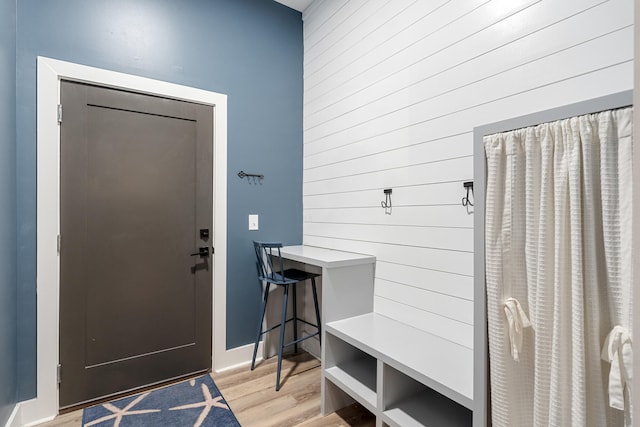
x=558 y=272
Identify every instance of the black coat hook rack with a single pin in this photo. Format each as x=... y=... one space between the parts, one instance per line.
x=251 y=177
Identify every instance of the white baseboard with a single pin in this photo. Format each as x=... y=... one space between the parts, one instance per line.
x=14 y=418
x=17 y=418
x=236 y=357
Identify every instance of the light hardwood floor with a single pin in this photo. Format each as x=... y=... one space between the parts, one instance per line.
x=253 y=399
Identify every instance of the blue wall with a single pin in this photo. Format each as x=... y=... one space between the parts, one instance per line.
x=7 y=208
x=250 y=50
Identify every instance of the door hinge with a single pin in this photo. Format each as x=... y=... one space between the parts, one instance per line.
x=59 y=374
x=59 y=113
x=58 y=244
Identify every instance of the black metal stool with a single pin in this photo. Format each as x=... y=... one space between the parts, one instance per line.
x=266 y=254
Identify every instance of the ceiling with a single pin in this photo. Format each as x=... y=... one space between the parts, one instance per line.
x=299 y=5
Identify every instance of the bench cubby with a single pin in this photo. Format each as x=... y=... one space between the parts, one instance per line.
x=399 y=373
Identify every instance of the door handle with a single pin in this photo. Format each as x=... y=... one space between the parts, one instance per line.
x=203 y=252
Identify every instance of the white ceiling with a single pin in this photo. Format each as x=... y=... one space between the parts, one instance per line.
x=299 y=5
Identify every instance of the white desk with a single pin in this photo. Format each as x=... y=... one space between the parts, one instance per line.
x=325 y=258
x=345 y=289
x=347 y=279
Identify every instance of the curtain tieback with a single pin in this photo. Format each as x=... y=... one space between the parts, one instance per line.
x=618 y=351
x=517 y=320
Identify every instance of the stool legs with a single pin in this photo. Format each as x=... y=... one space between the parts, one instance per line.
x=315 y=304
x=285 y=299
x=295 y=319
x=264 y=310
x=283 y=322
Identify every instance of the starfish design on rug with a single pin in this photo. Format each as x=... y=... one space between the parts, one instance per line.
x=208 y=403
x=118 y=413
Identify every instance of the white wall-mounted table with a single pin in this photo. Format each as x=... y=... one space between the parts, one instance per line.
x=345 y=288
x=347 y=279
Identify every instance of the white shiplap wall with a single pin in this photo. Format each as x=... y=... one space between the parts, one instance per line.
x=392 y=92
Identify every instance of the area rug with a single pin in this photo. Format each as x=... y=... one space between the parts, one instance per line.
x=196 y=402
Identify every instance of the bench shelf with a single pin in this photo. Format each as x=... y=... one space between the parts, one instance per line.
x=397 y=372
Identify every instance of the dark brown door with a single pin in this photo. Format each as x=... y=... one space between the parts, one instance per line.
x=136 y=198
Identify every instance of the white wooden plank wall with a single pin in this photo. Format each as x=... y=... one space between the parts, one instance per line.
x=392 y=92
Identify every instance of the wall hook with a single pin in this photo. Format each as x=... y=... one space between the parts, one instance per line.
x=466 y=202
x=386 y=204
x=253 y=178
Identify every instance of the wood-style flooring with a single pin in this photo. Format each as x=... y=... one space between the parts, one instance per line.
x=253 y=399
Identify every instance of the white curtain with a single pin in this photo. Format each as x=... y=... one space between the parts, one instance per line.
x=558 y=272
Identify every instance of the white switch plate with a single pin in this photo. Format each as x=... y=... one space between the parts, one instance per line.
x=253 y=222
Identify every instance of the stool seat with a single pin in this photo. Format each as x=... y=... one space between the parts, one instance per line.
x=299 y=275
x=271 y=272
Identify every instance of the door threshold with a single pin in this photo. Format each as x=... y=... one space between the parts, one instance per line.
x=131 y=392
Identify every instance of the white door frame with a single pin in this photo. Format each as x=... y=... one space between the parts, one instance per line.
x=636 y=213
x=50 y=73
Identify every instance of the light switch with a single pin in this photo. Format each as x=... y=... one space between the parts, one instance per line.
x=253 y=222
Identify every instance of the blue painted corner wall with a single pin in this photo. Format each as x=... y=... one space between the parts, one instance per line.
x=8 y=275
x=250 y=50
